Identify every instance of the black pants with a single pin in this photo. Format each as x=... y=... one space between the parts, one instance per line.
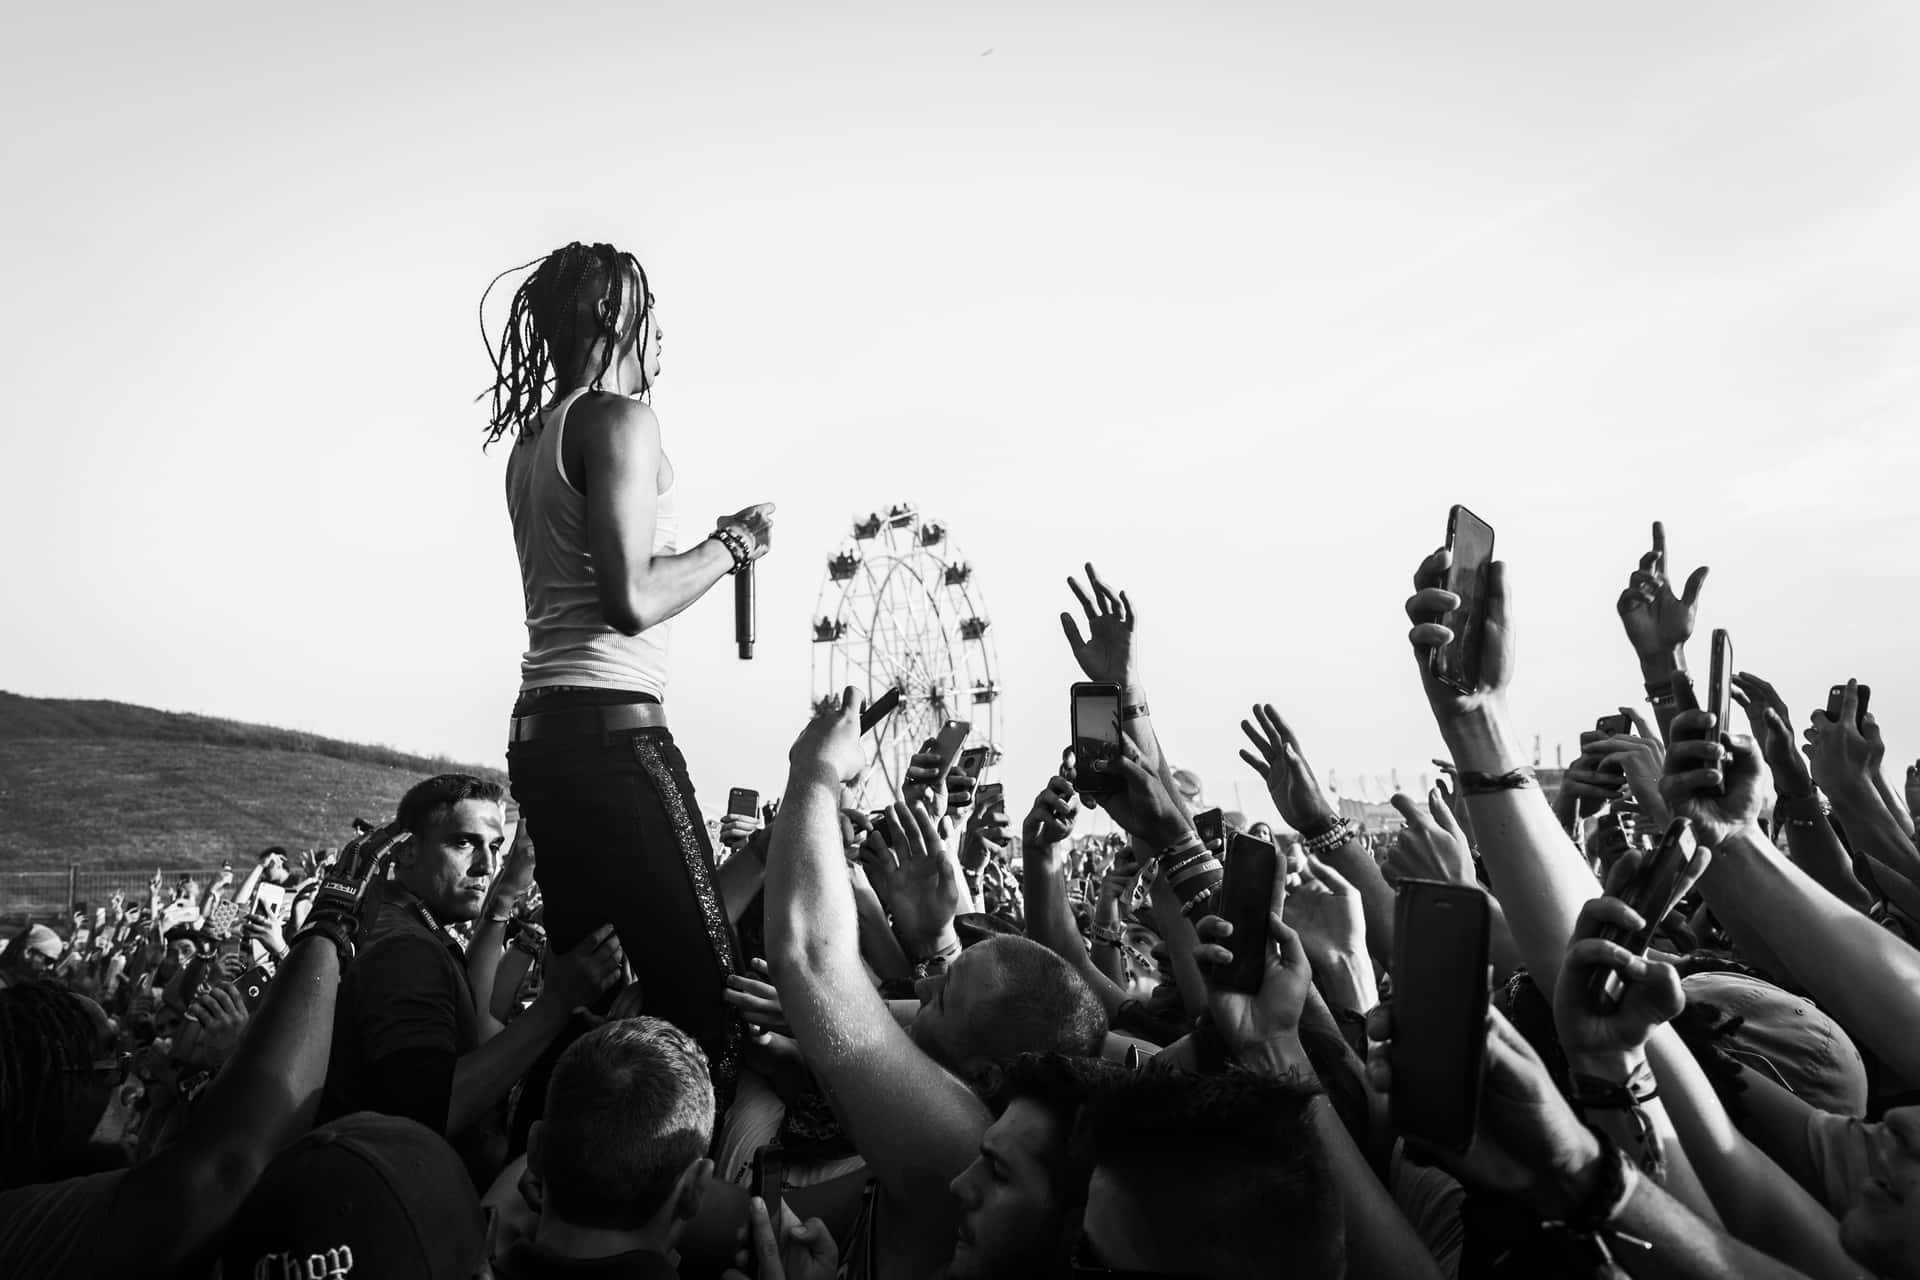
x=618 y=839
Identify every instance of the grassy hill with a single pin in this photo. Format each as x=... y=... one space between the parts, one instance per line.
x=111 y=786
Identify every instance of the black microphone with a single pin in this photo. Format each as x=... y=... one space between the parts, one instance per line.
x=743 y=609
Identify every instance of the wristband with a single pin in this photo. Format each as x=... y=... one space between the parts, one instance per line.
x=929 y=966
x=736 y=543
x=1598 y=1093
x=1332 y=838
x=531 y=939
x=1111 y=934
x=1188 y=843
x=1593 y=1217
x=1486 y=784
x=339 y=933
x=1200 y=901
x=1138 y=711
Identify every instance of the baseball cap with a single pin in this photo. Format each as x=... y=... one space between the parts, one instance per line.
x=1784 y=1037
x=369 y=1196
x=44 y=941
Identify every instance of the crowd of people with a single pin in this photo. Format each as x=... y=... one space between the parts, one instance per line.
x=976 y=1047
x=953 y=1038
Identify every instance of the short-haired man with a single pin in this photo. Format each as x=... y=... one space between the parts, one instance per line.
x=1210 y=1176
x=620 y=1154
x=900 y=1095
x=405 y=1039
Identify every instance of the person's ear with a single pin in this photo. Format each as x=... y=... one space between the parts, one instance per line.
x=537 y=1148
x=692 y=1189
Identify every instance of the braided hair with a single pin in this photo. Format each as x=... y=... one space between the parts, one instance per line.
x=47 y=1043
x=542 y=339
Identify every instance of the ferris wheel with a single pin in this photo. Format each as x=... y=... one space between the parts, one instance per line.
x=899 y=609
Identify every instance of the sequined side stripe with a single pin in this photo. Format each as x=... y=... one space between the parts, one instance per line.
x=719 y=932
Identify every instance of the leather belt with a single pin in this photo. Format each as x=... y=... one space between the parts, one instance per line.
x=587 y=721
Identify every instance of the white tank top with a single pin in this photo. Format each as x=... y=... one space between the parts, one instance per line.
x=568 y=642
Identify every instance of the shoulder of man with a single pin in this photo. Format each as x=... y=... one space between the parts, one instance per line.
x=604 y=413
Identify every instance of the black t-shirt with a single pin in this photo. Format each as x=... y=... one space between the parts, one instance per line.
x=527 y=1262
x=406 y=994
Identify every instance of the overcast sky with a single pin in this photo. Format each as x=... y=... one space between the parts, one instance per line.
x=1234 y=300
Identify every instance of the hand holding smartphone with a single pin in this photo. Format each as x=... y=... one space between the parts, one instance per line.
x=1439 y=1050
x=1246 y=902
x=769 y=1177
x=1456 y=664
x=1096 y=738
x=1656 y=887
x=1837 y=700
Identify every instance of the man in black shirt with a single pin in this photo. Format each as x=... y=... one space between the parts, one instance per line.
x=405 y=1033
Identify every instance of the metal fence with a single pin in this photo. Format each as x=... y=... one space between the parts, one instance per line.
x=50 y=896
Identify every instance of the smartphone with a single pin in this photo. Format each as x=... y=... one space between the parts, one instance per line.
x=879 y=709
x=1720 y=682
x=1439 y=1047
x=1456 y=664
x=1663 y=877
x=990 y=797
x=222 y=917
x=1211 y=827
x=252 y=985
x=1246 y=899
x=974 y=759
x=1096 y=738
x=742 y=802
x=953 y=736
x=1613 y=726
x=769 y=1176
x=1836 y=698
x=269 y=900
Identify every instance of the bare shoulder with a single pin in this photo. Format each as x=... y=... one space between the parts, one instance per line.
x=609 y=419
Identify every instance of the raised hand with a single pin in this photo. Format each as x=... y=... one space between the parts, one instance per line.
x=1642 y=760
x=1711 y=778
x=1326 y=912
x=1839 y=753
x=1431 y=602
x=1529 y=1143
x=926 y=888
x=1046 y=833
x=1651 y=995
x=515 y=876
x=335 y=913
x=214 y=1023
x=1431 y=846
x=1143 y=808
x=1771 y=723
x=258 y=928
x=1659 y=623
x=738 y=828
x=1289 y=778
x=1253 y=1022
x=926 y=783
x=1106 y=652
x=829 y=747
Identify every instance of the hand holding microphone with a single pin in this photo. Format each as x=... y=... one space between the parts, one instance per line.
x=747 y=536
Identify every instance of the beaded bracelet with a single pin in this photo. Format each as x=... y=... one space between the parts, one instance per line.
x=1111 y=934
x=1332 y=838
x=737 y=545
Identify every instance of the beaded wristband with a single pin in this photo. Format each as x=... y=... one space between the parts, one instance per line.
x=1330 y=839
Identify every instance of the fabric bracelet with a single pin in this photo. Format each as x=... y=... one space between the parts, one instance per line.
x=1486 y=784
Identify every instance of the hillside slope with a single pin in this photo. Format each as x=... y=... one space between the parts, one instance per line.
x=112 y=785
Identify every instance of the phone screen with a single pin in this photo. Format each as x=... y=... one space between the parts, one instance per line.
x=1211 y=827
x=1096 y=737
x=1439 y=1010
x=1246 y=899
x=1470 y=539
x=743 y=802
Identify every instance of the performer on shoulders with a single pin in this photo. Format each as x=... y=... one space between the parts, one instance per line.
x=605 y=792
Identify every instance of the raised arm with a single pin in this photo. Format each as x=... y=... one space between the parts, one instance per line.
x=1045 y=839
x=619 y=449
x=1543 y=881
x=916 y=1125
x=180 y=1201
x=1659 y=623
